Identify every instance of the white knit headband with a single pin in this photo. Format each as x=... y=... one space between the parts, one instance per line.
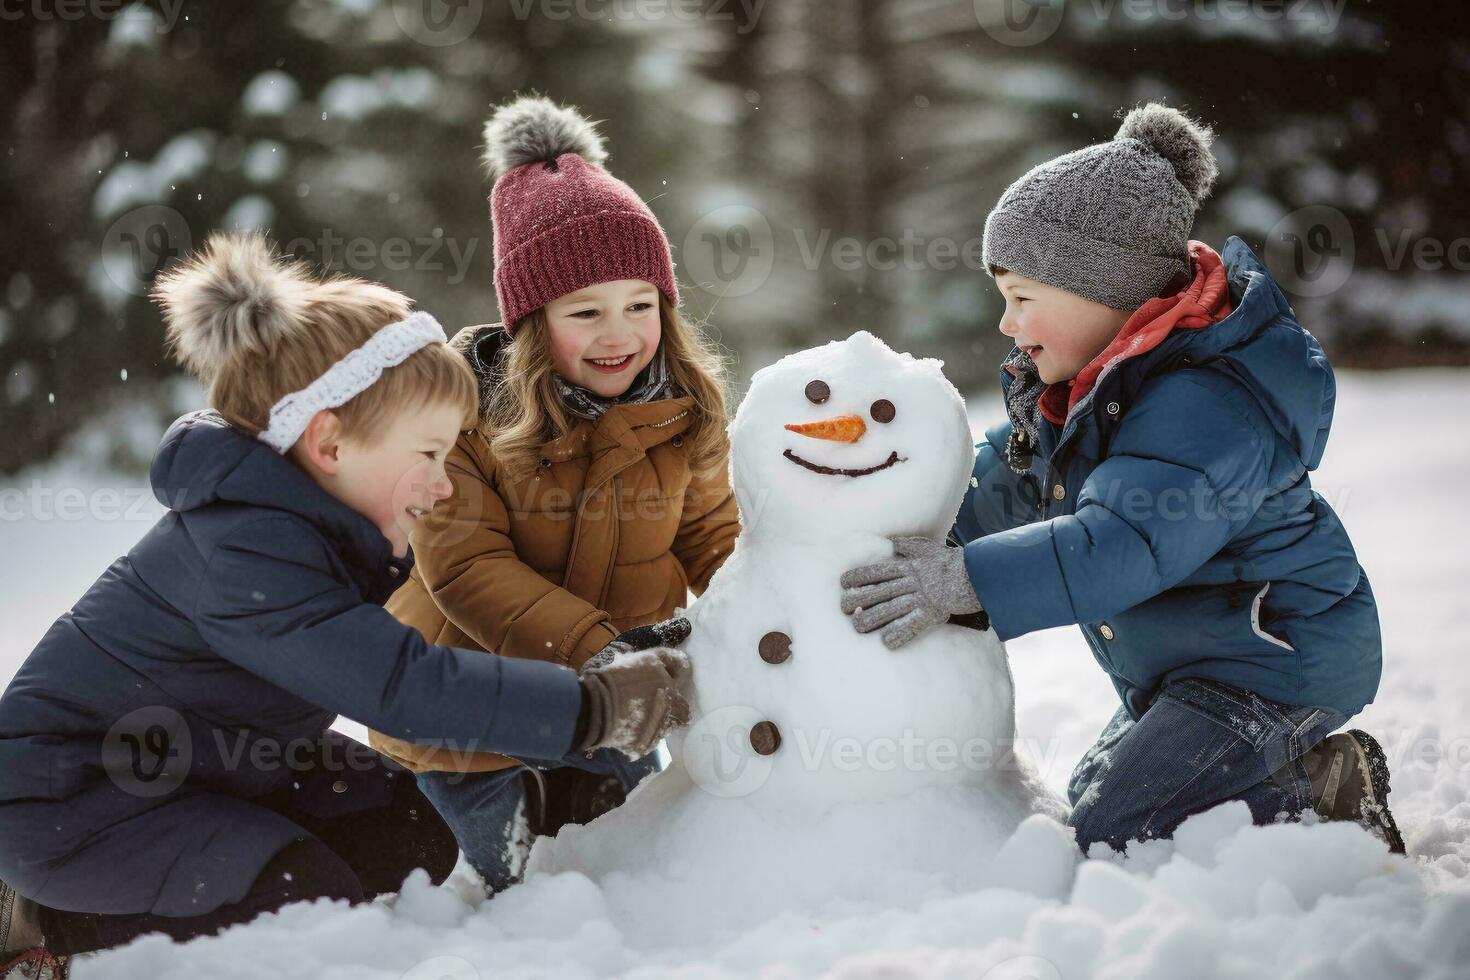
x=349 y=377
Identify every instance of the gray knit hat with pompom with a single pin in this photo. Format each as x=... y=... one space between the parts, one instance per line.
x=1109 y=222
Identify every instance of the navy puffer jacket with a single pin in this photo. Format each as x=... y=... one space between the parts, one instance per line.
x=1173 y=519
x=239 y=627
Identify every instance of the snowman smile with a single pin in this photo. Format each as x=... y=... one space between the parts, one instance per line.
x=892 y=460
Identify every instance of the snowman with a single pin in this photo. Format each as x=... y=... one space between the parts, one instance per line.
x=811 y=744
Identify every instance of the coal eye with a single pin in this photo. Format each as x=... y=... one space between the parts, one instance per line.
x=817 y=392
x=883 y=410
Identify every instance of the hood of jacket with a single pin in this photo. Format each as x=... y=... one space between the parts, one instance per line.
x=203 y=460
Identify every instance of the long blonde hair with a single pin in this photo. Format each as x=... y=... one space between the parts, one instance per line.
x=523 y=412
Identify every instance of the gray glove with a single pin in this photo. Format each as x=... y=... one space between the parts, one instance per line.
x=631 y=698
x=920 y=588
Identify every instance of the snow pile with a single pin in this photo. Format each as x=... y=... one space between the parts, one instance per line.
x=1223 y=900
x=679 y=866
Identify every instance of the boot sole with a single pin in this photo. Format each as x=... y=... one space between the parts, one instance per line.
x=1375 y=764
x=36 y=964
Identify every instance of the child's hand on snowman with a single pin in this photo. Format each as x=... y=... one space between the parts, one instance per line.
x=669 y=633
x=922 y=586
x=631 y=698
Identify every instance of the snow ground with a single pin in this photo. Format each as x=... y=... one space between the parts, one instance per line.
x=1223 y=900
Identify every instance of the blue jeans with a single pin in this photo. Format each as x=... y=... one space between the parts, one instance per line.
x=483 y=808
x=1199 y=743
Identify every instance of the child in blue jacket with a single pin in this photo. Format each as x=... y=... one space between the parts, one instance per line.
x=166 y=763
x=1150 y=485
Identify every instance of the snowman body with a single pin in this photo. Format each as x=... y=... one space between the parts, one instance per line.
x=811 y=744
x=794 y=710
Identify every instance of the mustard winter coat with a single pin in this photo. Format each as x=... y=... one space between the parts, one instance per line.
x=608 y=533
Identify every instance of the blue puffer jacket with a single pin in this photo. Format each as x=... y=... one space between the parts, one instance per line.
x=178 y=687
x=1175 y=521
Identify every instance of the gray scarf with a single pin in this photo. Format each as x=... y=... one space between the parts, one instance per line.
x=1023 y=405
x=652 y=384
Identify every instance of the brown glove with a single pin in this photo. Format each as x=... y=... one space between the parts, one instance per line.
x=633 y=701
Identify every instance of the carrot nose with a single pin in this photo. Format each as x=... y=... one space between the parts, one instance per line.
x=843 y=428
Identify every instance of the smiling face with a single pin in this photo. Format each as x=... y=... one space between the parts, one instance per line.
x=393 y=479
x=1060 y=330
x=603 y=335
x=850 y=437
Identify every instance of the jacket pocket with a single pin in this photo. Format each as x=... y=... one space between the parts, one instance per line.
x=1256 y=623
x=1238 y=710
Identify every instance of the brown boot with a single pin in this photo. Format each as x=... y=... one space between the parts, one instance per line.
x=22 y=957
x=1349 y=775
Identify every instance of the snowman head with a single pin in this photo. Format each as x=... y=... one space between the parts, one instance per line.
x=850 y=437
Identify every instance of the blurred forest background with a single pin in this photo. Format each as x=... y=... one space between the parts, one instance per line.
x=820 y=165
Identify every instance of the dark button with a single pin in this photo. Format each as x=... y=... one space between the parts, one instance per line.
x=883 y=410
x=394 y=570
x=678 y=442
x=818 y=392
x=545 y=462
x=775 y=647
x=765 y=737
x=340 y=786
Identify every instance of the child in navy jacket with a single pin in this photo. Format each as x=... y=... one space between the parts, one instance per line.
x=166 y=762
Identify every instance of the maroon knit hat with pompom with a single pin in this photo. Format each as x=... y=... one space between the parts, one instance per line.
x=562 y=222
